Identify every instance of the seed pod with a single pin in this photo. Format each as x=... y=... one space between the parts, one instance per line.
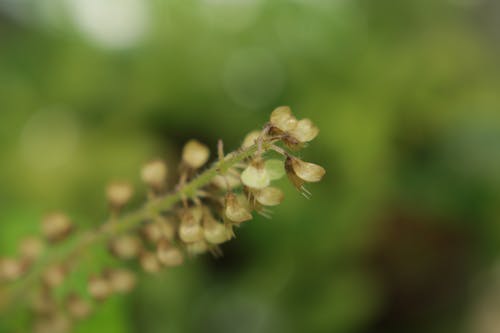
x=269 y=196
x=215 y=232
x=256 y=176
x=234 y=210
x=195 y=154
x=168 y=254
x=305 y=131
x=31 y=248
x=121 y=280
x=77 y=307
x=56 y=227
x=190 y=229
x=155 y=174
x=99 y=288
x=308 y=172
x=283 y=119
x=54 y=276
x=11 y=269
x=149 y=262
x=250 y=139
x=125 y=246
x=197 y=248
x=119 y=194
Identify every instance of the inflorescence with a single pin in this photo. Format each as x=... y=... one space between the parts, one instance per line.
x=201 y=213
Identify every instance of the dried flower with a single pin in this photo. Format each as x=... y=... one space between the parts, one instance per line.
x=197 y=248
x=149 y=262
x=256 y=176
x=283 y=119
x=168 y=254
x=99 y=288
x=54 y=276
x=195 y=154
x=269 y=196
x=121 y=280
x=250 y=139
x=190 y=229
x=215 y=232
x=31 y=248
x=56 y=227
x=234 y=210
x=119 y=194
x=77 y=307
x=11 y=269
x=307 y=172
x=125 y=246
x=305 y=131
x=155 y=174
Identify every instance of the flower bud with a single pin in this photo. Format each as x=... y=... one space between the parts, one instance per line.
x=269 y=196
x=31 y=248
x=119 y=194
x=54 y=276
x=11 y=269
x=42 y=302
x=149 y=262
x=283 y=119
x=308 y=172
x=166 y=226
x=195 y=154
x=234 y=210
x=121 y=280
x=190 y=229
x=222 y=182
x=250 y=139
x=255 y=176
x=56 y=227
x=155 y=174
x=125 y=246
x=305 y=131
x=215 y=232
x=152 y=232
x=99 y=288
x=168 y=254
x=197 y=248
x=77 y=307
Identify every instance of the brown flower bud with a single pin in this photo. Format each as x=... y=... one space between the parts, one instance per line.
x=31 y=248
x=269 y=196
x=125 y=246
x=234 y=209
x=195 y=154
x=11 y=269
x=56 y=227
x=149 y=262
x=283 y=119
x=99 y=288
x=168 y=254
x=155 y=174
x=190 y=229
x=119 y=194
x=121 y=280
x=77 y=307
x=54 y=276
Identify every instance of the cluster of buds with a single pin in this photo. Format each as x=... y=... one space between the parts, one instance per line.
x=203 y=212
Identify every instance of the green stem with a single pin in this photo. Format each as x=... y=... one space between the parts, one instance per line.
x=121 y=225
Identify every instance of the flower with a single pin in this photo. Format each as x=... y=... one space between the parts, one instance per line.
x=154 y=174
x=269 y=196
x=255 y=176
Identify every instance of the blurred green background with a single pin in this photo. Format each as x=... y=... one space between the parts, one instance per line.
x=403 y=234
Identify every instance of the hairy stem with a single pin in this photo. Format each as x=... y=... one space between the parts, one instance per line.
x=78 y=244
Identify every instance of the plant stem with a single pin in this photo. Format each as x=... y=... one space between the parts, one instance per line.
x=111 y=228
